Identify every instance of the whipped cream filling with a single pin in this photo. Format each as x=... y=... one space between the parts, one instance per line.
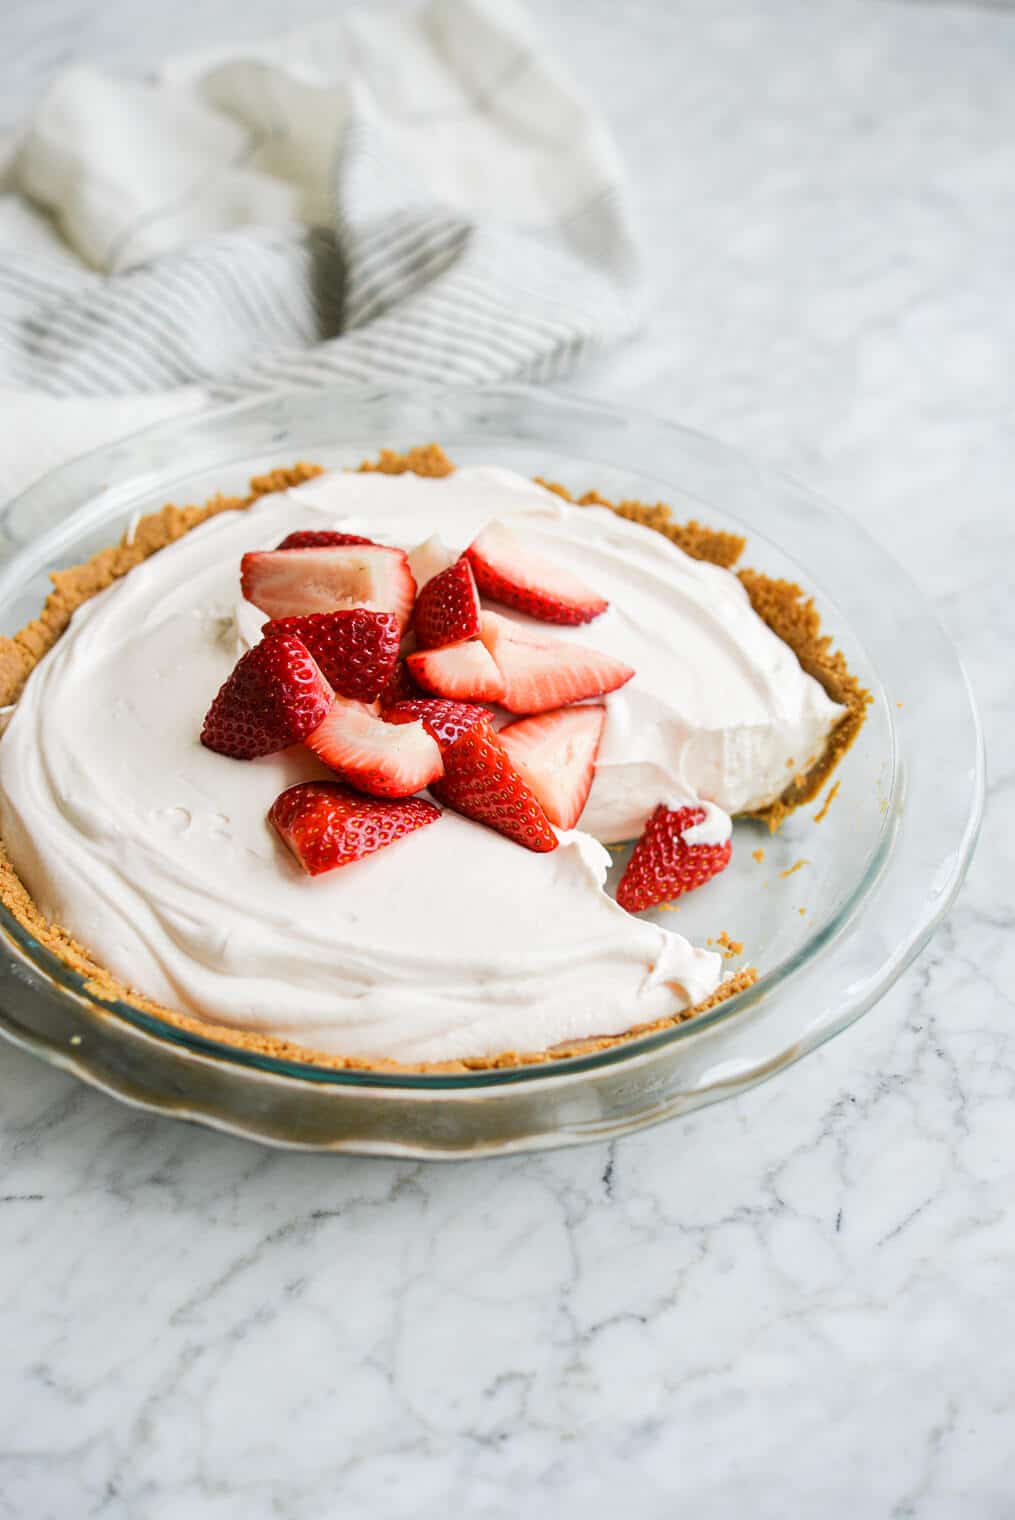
x=157 y=855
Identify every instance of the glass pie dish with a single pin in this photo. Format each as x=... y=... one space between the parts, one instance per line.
x=829 y=913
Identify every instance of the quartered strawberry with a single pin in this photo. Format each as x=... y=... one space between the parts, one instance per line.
x=326 y=825
x=356 y=649
x=447 y=609
x=480 y=782
x=401 y=688
x=555 y=755
x=508 y=571
x=465 y=671
x=664 y=865
x=320 y=538
x=447 y=721
x=297 y=582
x=429 y=558
x=540 y=674
x=384 y=759
x=275 y=697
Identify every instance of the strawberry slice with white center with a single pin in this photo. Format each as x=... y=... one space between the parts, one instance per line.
x=555 y=755
x=326 y=825
x=384 y=759
x=429 y=558
x=320 y=538
x=447 y=721
x=447 y=609
x=509 y=571
x=275 y=697
x=298 y=582
x=667 y=860
x=465 y=671
x=540 y=674
x=356 y=649
x=480 y=782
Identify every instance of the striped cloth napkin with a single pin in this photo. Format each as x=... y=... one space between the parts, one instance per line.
x=400 y=195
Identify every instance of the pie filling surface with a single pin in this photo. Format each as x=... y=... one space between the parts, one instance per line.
x=155 y=853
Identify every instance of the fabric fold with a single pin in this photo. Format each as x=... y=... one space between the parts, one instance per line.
x=398 y=195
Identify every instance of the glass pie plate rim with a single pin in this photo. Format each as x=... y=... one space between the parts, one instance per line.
x=268 y=428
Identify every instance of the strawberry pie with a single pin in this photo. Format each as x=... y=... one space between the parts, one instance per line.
x=333 y=772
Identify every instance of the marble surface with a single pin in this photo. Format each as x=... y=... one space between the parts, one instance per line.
x=798 y=1303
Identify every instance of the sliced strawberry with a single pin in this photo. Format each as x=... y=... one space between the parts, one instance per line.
x=326 y=825
x=555 y=755
x=663 y=864
x=446 y=721
x=275 y=697
x=320 y=538
x=429 y=559
x=296 y=582
x=401 y=688
x=540 y=674
x=447 y=609
x=465 y=671
x=480 y=781
x=383 y=759
x=357 y=650
x=507 y=570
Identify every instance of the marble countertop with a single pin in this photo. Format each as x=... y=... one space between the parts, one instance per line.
x=800 y=1302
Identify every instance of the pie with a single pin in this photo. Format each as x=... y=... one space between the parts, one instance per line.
x=330 y=771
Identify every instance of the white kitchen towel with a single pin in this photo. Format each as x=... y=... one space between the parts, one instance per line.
x=399 y=195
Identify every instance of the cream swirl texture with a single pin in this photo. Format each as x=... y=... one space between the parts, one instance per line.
x=157 y=855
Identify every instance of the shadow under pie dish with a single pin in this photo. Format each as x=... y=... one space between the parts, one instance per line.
x=173 y=941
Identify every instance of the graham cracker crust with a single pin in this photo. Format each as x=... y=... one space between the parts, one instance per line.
x=781 y=604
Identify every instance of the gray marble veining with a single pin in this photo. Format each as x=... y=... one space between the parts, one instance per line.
x=798 y=1303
